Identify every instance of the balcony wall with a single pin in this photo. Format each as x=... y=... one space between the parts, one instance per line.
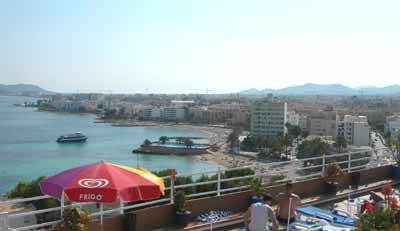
x=109 y=224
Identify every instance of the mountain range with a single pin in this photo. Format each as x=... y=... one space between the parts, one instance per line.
x=325 y=89
x=305 y=89
x=22 y=89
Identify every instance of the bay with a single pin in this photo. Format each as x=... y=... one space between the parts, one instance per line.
x=28 y=148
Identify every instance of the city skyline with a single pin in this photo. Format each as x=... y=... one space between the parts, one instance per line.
x=182 y=47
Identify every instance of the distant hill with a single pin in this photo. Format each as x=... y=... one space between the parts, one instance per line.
x=22 y=89
x=325 y=89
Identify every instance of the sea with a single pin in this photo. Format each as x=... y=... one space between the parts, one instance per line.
x=28 y=147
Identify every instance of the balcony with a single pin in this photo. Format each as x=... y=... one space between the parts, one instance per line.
x=307 y=183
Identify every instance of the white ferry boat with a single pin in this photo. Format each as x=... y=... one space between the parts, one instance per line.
x=76 y=137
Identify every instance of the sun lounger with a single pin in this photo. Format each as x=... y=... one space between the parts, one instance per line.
x=326 y=226
x=333 y=218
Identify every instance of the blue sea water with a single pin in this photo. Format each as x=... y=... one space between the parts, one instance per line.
x=28 y=147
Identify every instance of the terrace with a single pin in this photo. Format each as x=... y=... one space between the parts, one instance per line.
x=222 y=193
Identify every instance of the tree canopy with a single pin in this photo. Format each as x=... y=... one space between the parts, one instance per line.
x=32 y=189
x=163 y=139
x=146 y=142
x=312 y=148
x=341 y=143
x=294 y=131
x=233 y=137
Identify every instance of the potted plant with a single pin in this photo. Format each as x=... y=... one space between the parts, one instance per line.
x=355 y=178
x=74 y=219
x=182 y=215
x=394 y=148
x=257 y=188
x=375 y=217
x=332 y=174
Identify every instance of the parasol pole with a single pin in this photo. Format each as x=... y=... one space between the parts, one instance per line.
x=62 y=203
x=289 y=215
x=101 y=216
x=348 y=200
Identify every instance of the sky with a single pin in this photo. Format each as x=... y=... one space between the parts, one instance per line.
x=187 y=46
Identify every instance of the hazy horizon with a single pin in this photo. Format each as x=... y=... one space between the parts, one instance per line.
x=185 y=46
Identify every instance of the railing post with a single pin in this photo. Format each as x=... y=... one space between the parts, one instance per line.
x=171 y=191
x=323 y=164
x=4 y=221
x=219 y=182
x=349 y=163
x=121 y=205
x=62 y=203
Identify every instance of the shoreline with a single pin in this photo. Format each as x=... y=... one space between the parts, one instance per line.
x=215 y=134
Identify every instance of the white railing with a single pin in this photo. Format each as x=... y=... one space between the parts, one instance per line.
x=289 y=169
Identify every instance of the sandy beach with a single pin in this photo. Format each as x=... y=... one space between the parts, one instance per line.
x=218 y=136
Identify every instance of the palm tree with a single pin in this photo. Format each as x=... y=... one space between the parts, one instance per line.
x=233 y=138
x=285 y=140
x=163 y=139
x=295 y=132
x=340 y=143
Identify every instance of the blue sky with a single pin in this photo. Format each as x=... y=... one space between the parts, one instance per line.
x=184 y=46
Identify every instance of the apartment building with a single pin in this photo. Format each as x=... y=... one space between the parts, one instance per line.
x=355 y=130
x=292 y=118
x=182 y=103
x=173 y=114
x=220 y=114
x=152 y=113
x=392 y=125
x=268 y=118
x=303 y=122
x=323 y=123
x=66 y=106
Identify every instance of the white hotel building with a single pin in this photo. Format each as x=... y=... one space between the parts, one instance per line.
x=268 y=118
x=355 y=130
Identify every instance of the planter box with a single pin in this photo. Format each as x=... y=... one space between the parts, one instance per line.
x=396 y=172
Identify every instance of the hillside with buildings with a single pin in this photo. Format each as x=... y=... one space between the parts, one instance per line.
x=22 y=89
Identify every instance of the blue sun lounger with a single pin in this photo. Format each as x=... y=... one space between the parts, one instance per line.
x=326 y=226
x=332 y=217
